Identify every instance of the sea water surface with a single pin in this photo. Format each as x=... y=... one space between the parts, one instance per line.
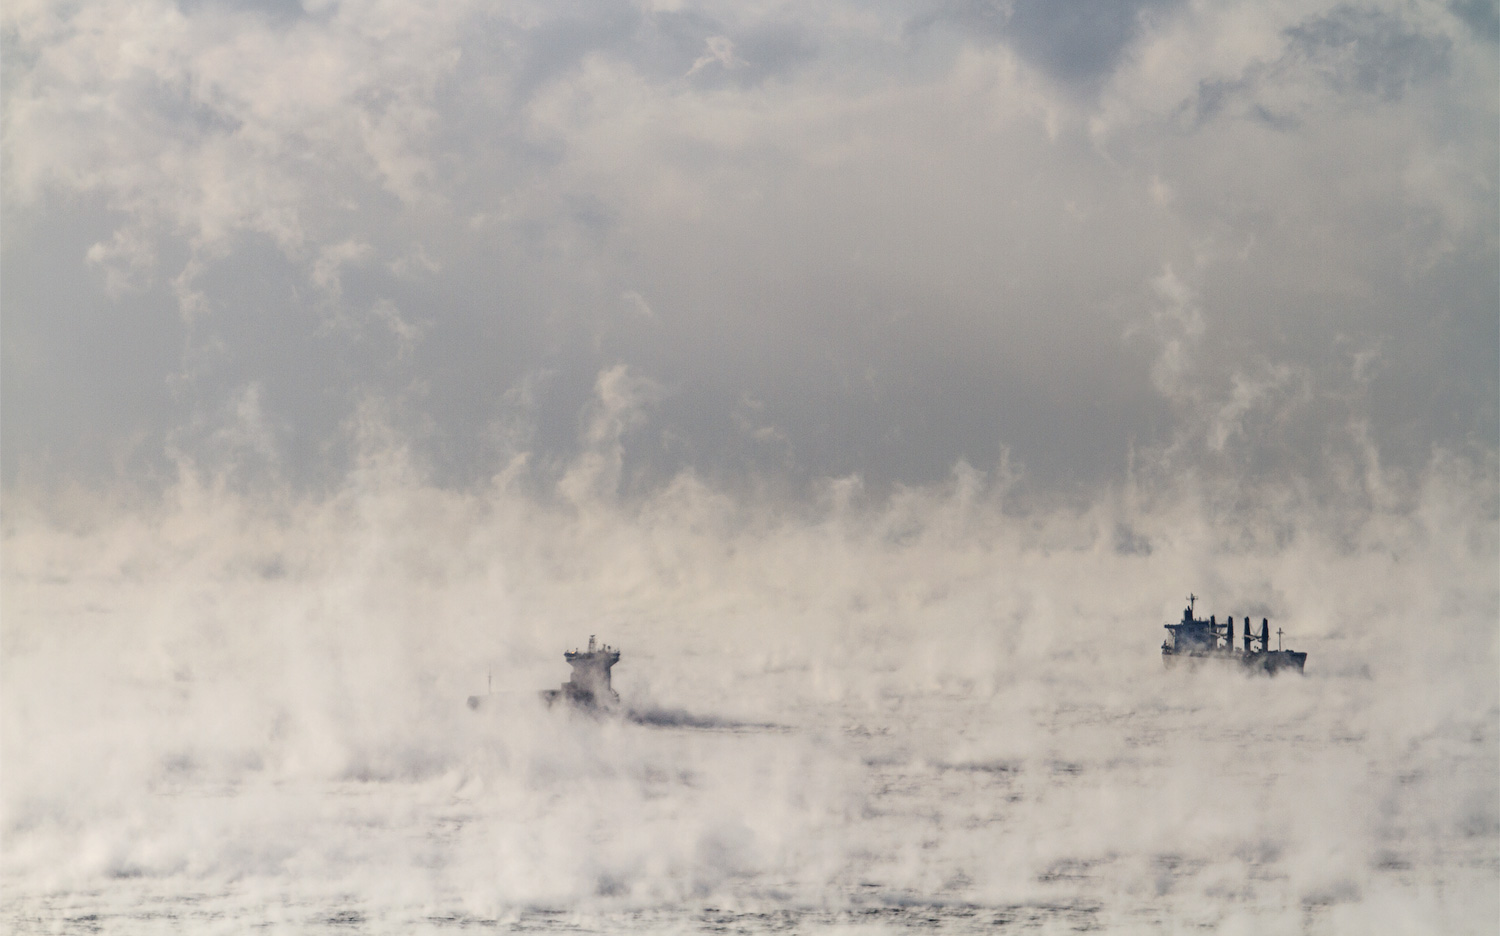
x=930 y=716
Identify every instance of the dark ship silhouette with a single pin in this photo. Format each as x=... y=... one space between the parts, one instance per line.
x=1193 y=639
x=589 y=687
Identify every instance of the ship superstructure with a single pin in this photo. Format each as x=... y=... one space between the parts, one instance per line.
x=589 y=685
x=1194 y=639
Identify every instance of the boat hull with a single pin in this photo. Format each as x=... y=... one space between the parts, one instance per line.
x=599 y=700
x=1274 y=662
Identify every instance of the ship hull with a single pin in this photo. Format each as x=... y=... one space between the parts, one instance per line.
x=1276 y=661
x=602 y=700
x=1273 y=662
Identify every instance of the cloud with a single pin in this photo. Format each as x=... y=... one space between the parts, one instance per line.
x=620 y=398
x=129 y=260
x=1080 y=41
x=325 y=272
x=720 y=52
x=915 y=242
x=1179 y=325
x=206 y=121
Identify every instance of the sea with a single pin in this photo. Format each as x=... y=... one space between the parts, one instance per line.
x=925 y=716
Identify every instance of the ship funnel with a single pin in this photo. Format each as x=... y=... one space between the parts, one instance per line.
x=1265 y=635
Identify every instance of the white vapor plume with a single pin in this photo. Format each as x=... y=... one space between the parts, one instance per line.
x=937 y=699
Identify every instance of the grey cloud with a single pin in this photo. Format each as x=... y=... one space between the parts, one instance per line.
x=1079 y=41
x=86 y=380
x=1482 y=16
x=1375 y=53
x=556 y=44
x=663 y=46
x=758 y=54
x=906 y=266
x=282 y=13
x=1361 y=54
x=1074 y=41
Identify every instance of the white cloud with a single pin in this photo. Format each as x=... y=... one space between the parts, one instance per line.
x=128 y=259
x=325 y=272
x=1179 y=326
x=720 y=50
x=619 y=401
x=217 y=122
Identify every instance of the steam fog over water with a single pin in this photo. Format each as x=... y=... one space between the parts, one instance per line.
x=879 y=377
x=929 y=710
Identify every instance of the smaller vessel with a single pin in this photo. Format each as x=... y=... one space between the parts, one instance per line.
x=1194 y=640
x=588 y=687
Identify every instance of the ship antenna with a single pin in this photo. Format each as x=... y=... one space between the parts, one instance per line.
x=1278 y=640
x=1191 y=598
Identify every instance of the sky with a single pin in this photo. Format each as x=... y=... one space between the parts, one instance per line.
x=1078 y=246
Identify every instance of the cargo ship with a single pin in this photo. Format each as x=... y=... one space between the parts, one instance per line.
x=588 y=687
x=1195 y=640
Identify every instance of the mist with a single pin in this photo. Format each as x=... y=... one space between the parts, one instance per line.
x=878 y=378
x=221 y=709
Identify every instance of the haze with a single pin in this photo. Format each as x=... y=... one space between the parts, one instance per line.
x=878 y=377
